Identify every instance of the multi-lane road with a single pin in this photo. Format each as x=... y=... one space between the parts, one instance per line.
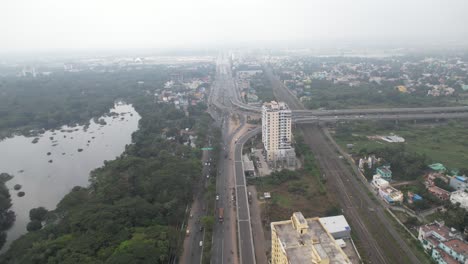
x=232 y=238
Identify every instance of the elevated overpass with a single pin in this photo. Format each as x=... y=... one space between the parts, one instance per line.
x=402 y=116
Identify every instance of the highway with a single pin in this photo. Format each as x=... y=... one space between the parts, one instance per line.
x=381 y=241
x=232 y=238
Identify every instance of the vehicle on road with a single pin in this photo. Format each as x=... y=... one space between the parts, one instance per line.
x=187 y=233
x=217 y=197
x=221 y=214
x=201 y=243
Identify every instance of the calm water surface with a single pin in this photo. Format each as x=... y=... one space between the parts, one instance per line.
x=44 y=182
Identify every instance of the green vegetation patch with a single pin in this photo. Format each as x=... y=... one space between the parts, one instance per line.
x=445 y=143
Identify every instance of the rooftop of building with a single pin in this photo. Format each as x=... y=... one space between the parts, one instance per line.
x=380 y=182
x=390 y=191
x=458 y=246
x=441 y=229
x=461 y=194
x=446 y=257
x=438 y=190
x=437 y=167
x=307 y=240
x=460 y=178
x=384 y=169
x=273 y=105
x=335 y=224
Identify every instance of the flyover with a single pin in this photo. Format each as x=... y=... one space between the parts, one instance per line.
x=401 y=116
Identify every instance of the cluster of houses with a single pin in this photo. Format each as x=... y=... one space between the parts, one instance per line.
x=457 y=183
x=245 y=70
x=435 y=76
x=381 y=180
x=183 y=93
x=445 y=245
x=383 y=176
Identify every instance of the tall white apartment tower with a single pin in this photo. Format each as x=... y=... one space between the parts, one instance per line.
x=276 y=132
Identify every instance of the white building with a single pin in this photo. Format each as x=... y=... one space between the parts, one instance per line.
x=276 y=133
x=386 y=192
x=337 y=226
x=459 y=183
x=378 y=182
x=460 y=197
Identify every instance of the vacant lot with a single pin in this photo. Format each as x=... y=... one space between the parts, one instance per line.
x=300 y=194
x=446 y=142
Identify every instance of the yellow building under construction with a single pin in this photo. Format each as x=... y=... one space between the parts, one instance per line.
x=302 y=240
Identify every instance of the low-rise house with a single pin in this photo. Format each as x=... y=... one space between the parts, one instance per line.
x=413 y=197
x=430 y=177
x=439 y=193
x=391 y=195
x=385 y=172
x=459 y=183
x=378 y=182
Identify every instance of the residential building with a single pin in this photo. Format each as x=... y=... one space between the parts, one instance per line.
x=439 y=193
x=438 y=167
x=385 y=172
x=459 y=183
x=378 y=182
x=444 y=244
x=460 y=197
x=391 y=195
x=302 y=240
x=276 y=133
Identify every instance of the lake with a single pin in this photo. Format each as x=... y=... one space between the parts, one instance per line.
x=60 y=160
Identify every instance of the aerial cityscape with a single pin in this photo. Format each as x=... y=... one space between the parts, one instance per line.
x=243 y=132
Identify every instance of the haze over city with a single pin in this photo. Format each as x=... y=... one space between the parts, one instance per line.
x=57 y=25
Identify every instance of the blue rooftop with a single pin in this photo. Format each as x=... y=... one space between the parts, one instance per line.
x=461 y=178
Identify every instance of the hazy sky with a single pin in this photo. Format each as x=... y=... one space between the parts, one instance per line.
x=35 y=25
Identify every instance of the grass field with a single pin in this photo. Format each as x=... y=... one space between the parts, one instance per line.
x=302 y=195
x=446 y=143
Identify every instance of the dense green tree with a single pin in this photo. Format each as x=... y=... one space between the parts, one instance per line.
x=37 y=214
x=34 y=225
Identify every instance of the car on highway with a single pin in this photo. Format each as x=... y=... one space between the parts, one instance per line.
x=201 y=243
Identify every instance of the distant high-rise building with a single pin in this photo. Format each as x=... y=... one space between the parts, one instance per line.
x=276 y=132
x=302 y=240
